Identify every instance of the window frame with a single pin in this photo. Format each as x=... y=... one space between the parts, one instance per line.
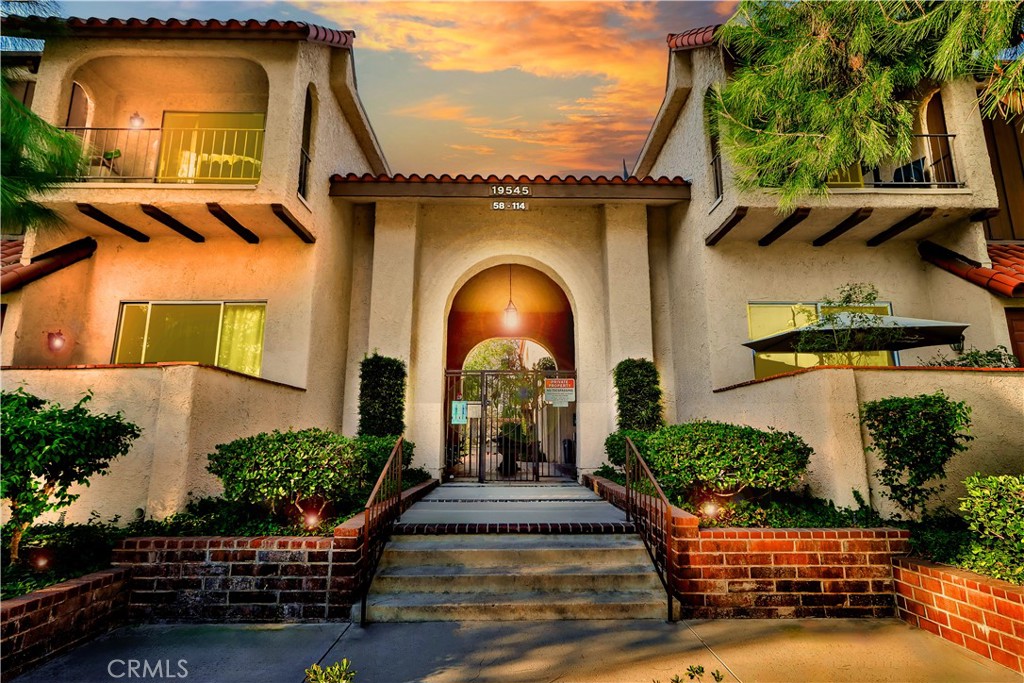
x=222 y=303
x=817 y=310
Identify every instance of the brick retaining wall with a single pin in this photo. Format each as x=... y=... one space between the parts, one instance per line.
x=229 y=579
x=982 y=614
x=46 y=622
x=771 y=573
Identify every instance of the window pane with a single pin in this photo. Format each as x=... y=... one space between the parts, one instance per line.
x=241 y=341
x=183 y=332
x=131 y=333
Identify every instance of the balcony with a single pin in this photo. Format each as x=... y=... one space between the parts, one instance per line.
x=932 y=167
x=172 y=155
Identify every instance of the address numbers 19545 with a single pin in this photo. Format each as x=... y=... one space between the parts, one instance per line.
x=510 y=190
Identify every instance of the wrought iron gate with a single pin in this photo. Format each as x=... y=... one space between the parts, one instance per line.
x=510 y=426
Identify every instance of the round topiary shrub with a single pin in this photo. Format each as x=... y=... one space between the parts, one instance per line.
x=722 y=458
x=302 y=470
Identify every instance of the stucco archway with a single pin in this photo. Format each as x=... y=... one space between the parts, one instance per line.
x=477 y=313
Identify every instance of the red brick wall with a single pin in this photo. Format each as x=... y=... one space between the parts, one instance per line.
x=44 y=623
x=973 y=611
x=770 y=573
x=269 y=578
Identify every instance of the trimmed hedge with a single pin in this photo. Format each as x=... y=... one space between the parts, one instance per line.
x=721 y=458
x=994 y=509
x=638 y=395
x=375 y=451
x=615 y=445
x=381 y=396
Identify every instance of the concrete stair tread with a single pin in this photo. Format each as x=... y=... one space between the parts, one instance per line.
x=455 y=600
x=566 y=542
x=442 y=570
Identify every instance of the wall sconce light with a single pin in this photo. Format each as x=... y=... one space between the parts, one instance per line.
x=136 y=120
x=958 y=346
x=511 y=314
x=55 y=341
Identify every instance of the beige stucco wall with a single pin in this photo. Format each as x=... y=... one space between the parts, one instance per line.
x=822 y=406
x=183 y=412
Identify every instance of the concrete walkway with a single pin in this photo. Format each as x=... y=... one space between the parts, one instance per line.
x=802 y=651
x=511 y=503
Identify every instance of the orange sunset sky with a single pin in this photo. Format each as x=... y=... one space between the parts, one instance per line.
x=490 y=87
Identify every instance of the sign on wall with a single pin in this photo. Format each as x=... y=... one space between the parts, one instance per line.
x=559 y=392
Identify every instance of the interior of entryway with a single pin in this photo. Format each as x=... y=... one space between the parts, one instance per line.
x=510 y=379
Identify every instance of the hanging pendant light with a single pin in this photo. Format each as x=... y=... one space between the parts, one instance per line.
x=511 y=314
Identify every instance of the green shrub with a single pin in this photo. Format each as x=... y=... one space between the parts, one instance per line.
x=375 y=451
x=725 y=458
x=335 y=673
x=783 y=510
x=48 y=449
x=305 y=469
x=381 y=396
x=994 y=509
x=638 y=395
x=999 y=357
x=615 y=445
x=915 y=436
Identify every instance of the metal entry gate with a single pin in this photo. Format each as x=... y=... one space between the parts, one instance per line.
x=510 y=426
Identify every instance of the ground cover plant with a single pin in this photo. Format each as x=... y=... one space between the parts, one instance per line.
x=998 y=357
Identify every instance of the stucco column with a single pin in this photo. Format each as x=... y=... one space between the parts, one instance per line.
x=168 y=475
x=627 y=282
x=393 y=279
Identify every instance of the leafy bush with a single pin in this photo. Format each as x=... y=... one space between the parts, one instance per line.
x=915 y=436
x=48 y=449
x=611 y=474
x=994 y=508
x=381 y=396
x=615 y=445
x=306 y=469
x=638 y=395
x=783 y=510
x=375 y=451
x=339 y=672
x=724 y=458
x=999 y=357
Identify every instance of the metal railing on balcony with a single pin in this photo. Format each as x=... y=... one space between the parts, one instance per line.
x=383 y=508
x=651 y=514
x=932 y=166
x=172 y=155
x=304 y=162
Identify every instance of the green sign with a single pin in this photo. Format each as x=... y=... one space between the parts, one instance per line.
x=460 y=412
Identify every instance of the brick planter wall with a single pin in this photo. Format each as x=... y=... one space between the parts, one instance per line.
x=229 y=579
x=46 y=622
x=770 y=573
x=982 y=614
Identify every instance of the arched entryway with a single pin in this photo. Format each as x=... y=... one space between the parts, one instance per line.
x=516 y=420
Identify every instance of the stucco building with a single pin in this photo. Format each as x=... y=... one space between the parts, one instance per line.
x=238 y=244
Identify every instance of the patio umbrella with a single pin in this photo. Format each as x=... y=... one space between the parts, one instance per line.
x=913 y=333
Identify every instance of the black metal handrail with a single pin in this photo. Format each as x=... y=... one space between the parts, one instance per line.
x=651 y=513
x=932 y=166
x=383 y=509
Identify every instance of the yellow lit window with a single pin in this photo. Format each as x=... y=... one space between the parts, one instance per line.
x=226 y=334
x=764 y=319
x=211 y=147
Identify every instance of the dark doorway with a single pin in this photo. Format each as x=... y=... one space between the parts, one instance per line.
x=1015 y=321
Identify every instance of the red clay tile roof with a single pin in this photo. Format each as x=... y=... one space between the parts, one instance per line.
x=1005 y=277
x=42 y=27
x=692 y=38
x=507 y=179
x=14 y=275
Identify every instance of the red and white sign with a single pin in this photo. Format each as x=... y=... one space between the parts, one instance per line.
x=560 y=392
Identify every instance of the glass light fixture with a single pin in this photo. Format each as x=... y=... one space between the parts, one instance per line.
x=136 y=120
x=511 y=314
x=55 y=341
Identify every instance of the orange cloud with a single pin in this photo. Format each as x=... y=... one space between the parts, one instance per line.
x=620 y=44
x=475 y=149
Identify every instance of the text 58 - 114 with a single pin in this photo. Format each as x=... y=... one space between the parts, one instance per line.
x=509 y=206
